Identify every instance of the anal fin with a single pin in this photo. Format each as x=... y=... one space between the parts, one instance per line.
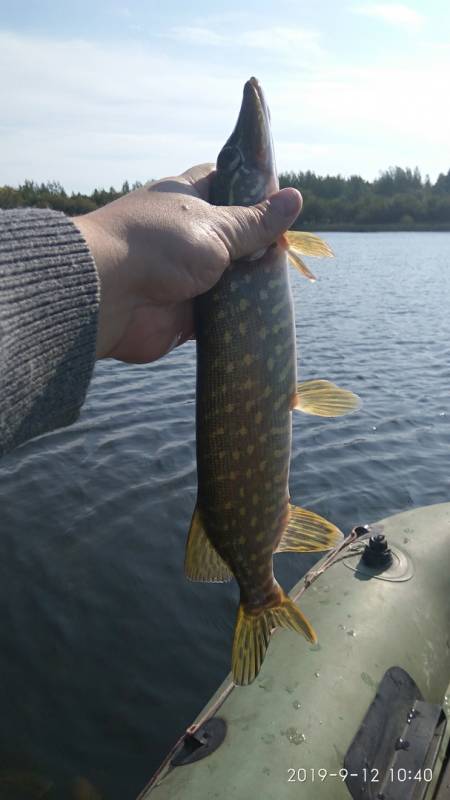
x=324 y=399
x=202 y=562
x=307 y=532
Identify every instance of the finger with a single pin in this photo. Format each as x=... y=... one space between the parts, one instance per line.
x=200 y=178
x=195 y=173
x=194 y=181
x=175 y=185
x=248 y=230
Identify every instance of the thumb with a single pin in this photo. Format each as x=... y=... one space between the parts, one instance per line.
x=254 y=228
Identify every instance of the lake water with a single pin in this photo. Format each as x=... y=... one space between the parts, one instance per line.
x=106 y=651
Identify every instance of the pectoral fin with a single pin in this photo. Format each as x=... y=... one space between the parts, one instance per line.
x=300 y=265
x=307 y=532
x=324 y=399
x=307 y=244
x=202 y=562
x=300 y=243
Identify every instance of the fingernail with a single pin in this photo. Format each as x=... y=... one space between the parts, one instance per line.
x=287 y=202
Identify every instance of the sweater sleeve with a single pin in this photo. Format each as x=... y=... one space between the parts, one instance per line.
x=49 y=298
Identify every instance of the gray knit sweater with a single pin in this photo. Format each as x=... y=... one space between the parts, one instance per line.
x=49 y=298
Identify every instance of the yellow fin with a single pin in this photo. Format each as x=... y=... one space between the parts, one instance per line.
x=325 y=399
x=300 y=265
x=307 y=244
x=307 y=532
x=202 y=562
x=252 y=634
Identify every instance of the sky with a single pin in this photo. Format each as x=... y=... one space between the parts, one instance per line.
x=96 y=93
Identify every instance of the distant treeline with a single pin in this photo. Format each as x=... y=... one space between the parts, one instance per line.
x=398 y=198
x=52 y=195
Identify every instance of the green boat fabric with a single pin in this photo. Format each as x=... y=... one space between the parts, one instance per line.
x=307 y=703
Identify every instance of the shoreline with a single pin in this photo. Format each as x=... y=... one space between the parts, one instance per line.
x=351 y=227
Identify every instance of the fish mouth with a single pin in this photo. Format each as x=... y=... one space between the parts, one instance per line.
x=246 y=171
x=253 y=128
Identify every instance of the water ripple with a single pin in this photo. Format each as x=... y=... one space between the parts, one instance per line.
x=99 y=625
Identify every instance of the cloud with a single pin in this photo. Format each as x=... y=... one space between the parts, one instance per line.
x=274 y=38
x=196 y=35
x=393 y=13
x=281 y=38
x=90 y=114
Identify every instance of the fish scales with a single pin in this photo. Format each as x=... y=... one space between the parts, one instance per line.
x=246 y=380
x=246 y=389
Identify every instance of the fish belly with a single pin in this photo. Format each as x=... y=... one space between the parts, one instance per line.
x=246 y=379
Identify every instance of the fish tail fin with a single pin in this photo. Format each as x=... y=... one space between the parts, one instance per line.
x=252 y=635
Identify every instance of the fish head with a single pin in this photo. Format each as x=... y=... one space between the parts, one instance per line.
x=246 y=171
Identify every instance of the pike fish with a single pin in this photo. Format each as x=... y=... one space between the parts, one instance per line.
x=246 y=391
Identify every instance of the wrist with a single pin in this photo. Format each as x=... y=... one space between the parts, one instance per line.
x=106 y=251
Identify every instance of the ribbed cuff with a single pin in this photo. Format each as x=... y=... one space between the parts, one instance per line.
x=49 y=298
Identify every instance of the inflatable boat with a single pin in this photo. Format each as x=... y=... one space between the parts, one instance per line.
x=363 y=713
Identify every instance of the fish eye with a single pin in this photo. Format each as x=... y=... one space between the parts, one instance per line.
x=229 y=158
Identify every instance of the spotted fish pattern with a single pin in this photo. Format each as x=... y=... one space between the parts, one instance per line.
x=246 y=382
x=246 y=390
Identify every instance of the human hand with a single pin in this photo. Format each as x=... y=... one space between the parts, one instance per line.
x=158 y=247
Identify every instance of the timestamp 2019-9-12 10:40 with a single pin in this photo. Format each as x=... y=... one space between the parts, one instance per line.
x=320 y=774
